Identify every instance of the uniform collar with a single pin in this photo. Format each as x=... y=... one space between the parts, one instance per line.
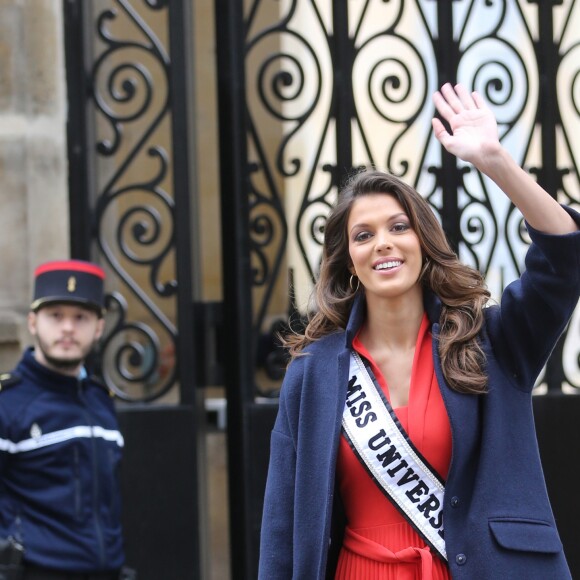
x=30 y=365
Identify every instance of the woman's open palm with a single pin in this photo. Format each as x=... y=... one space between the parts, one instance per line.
x=474 y=133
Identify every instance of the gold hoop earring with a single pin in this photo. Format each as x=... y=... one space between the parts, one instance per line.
x=357 y=283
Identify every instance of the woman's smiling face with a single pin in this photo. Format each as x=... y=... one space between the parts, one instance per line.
x=384 y=249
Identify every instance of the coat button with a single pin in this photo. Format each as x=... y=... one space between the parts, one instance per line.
x=454 y=501
x=461 y=559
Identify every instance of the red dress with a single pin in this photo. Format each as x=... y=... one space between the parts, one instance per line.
x=379 y=543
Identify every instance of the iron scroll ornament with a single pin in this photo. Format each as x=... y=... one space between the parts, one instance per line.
x=134 y=216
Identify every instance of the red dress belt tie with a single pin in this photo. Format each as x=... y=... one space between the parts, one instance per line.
x=369 y=549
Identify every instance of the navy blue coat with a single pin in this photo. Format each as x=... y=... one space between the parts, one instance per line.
x=498 y=519
x=60 y=449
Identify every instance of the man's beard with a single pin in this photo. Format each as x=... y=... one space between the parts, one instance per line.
x=65 y=364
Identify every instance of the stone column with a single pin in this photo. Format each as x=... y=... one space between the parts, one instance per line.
x=33 y=158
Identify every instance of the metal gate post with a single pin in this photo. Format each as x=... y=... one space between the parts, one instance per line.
x=239 y=349
x=79 y=126
x=448 y=177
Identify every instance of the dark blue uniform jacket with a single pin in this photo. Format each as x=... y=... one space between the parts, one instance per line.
x=60 y=449
x=497 y=517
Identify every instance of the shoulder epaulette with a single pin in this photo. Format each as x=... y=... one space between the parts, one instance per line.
x=9 y=380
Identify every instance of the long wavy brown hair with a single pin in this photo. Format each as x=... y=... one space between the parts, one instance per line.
x=460 y=288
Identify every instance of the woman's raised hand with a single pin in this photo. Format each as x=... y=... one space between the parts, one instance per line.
x=474 y=138
x=474 y=135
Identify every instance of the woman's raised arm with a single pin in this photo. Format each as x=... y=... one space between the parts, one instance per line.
x=474 y=138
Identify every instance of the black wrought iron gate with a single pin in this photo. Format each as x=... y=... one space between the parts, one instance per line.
x=308 y=90
x=131 y=199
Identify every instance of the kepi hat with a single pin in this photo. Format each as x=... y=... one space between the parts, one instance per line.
x=70 y=282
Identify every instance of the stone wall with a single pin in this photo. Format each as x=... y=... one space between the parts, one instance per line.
x=33 y=167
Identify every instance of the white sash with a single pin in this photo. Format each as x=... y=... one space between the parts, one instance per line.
x=385 y=450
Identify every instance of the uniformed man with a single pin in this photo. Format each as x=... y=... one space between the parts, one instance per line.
x=60 y=444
